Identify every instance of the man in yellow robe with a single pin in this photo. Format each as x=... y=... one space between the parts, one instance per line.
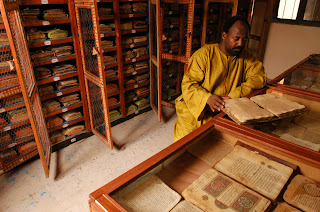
x=216 y=72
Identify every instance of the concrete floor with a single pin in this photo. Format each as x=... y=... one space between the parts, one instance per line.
x=81 y=168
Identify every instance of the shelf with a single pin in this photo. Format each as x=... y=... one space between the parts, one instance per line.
x=105 y=1
x=106 y=17
x=110 y=49
x=4 y=93
x=140 y=71
x=11 y=126
x=134 y=15
x=137 y=86
x=114 y=106
x=133 y=45
x=112 y=79
x=39 y=2
x=113 y=93
x=137 y=97
x=57 y=78
x=50 y=42
x=138 y=110
x=12 y=107
x=2 y=26
x=65 y=124
x=115 y=118
x=63 y=109
x=108 y=34
x=16 y=142
x=111 y=65
x=46 y=22
x=132 y=31
x=73 y=139
x=137 y=59
x=131 y=0
x=54 y=60
x=59 y=93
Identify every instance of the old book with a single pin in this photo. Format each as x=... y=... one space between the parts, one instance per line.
x=147 y=194
x=184 y=206
x=244 y=111
x=210 y=150
x=303 y=193
x=255 y=171
x=213 y=191
x=278 y=105
x=284 y=207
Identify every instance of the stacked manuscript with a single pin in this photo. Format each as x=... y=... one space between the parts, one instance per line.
x=261 y=108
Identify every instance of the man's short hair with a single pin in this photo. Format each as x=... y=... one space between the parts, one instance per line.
x=229 y=22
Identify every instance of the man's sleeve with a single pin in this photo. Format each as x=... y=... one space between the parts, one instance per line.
x=194 y=95
x=255 y=77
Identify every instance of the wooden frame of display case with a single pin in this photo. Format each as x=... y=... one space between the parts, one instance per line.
x=101 y=200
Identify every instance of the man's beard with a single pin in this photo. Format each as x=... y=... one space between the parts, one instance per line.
x=236 y=51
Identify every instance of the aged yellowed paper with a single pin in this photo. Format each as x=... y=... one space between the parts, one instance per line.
x=213 y=191
x=284 y=207
x=149 y=194
x=303 y=193
x=257 y=172
x=185 y=206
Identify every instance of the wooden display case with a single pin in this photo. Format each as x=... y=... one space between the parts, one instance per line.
x=302 y=79
x=178 y=168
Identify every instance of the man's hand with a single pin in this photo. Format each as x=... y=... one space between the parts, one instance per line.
x=215 y=103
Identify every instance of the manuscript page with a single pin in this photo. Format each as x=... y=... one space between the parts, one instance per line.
x=284 y=207
x=303 y=193
x=255 y=171
x=147 y=195
x=213 y=191
x=184 y=206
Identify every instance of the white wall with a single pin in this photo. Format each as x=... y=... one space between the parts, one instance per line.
x=287 y=45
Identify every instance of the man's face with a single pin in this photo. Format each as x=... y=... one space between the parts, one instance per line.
x=236 y=39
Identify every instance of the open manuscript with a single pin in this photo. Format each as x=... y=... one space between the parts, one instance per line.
x=261 y=108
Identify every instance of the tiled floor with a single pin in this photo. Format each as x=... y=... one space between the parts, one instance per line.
x=81 y=168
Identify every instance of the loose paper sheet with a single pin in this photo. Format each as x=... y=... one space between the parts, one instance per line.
x=303 y=193
x=185 y=206
x=148 y=194
x=213 y=191
x=255 y=171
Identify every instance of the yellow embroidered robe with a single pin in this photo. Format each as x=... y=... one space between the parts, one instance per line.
x=209 y=72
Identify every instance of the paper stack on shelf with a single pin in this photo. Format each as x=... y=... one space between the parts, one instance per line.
x=24 y=132
x=12 y=100
x=30 y=14
x=102 y=11
x=4 y=41
x=140 y=24
x=8 y=156
x=34 y=35
x=129 y=82
x=9 y=80
x=53 y=14
x=142 y=78
x=18 y=115
x=131 y=109
x=142 y=103
x=45 y=89
x=142 y=51
x=70 y=131
x=56 y=136
x=109 y=60
x=42 y=73
x=67 y=83
x=5 y=139
x=110 y=73
x=27 y=147
x=71 y=115
x=128 y=69
x=50 y=105
x=3 y=122
x=105 y=28
x=57 y=33
x=111 y=87
x=125 y=8
x=61 y=50
x=141 y=65
x=112 y=101
x=106 y=44
x=141 y=91
x=38 y=55
x=63 y=69
x=140 y=7
x=53 y=121
x=128 y=55
x=69 y=99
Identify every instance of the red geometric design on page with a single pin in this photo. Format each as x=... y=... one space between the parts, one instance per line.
x=245 y=202
x=217 y=186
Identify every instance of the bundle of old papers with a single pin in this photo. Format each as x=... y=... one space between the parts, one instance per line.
x=56 y=136
x=52 y=14
x=30 y=14
x=128 y=69
x=110 y=73
x=185 y=206
x=41 y=55
x=112 y=101
x=8 y=155
x=111 y=87
x=259 y=173
x=69 y=99
x=105 y=28
x=3 y=121
x=18 y=115
x=70 y=131
x=6 y=59
x=67 y=83
x=141 y=65
x=23 y=132
x=63 y=69
x=126 y=25
x=140 y=24
x=57 y=33
x=141 y=91
x=106 y=44
x=125 y=8
x=27 y=147
x=42 y=72
x=140 y=7
x=50 y=105
x=142 y=78
x=53 y=121
x=34 y=35
x=12 y=100
x=131 y=109
x=303 y=193
x=71 y=115
x=109 y=60
x=59 y=51
x=129 y=82
x=137 y=39
x=45 y=89
x=5 y=139
x=128 y=55
x=213 y=191
x=9 y=80
x=126 y=40
x=142 y=51
x=141 y=103
x=102 y=11
x=147 y=194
